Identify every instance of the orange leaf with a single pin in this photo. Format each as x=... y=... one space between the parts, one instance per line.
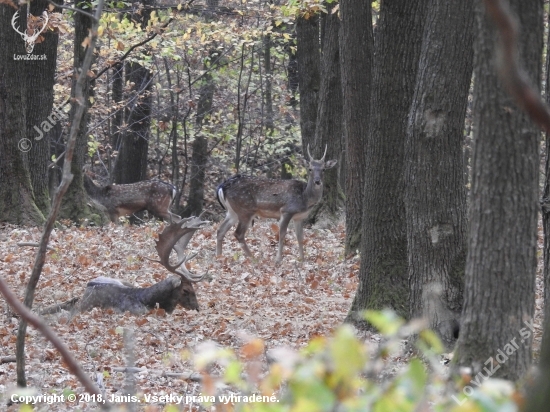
x=253 y=348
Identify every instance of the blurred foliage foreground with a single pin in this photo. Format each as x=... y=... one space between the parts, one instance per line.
x=341 y=373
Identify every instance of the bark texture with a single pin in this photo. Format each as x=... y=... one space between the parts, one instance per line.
x=435 y=192
x=329 y=130
x=383 y=280
x=74 y=203
x=356 y=53
x=17 y=202
x=309 y=75
x=500 y=266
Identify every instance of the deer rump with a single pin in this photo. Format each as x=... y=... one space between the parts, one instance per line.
x=151 y=195
x=155 y=196
x=248 y=197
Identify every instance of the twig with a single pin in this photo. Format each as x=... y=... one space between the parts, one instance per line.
x=33 y=245
x=41 y=254
x=85 y=13
x=511 y=73
x=141 y=43
x=7 y=359
x=49 y=334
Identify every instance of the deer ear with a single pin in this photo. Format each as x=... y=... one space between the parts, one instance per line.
x=330 y=164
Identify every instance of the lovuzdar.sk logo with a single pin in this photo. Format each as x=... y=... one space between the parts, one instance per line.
x=35 y=26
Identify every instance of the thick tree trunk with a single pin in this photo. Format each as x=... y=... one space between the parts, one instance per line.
x=133 y=142
x=17 y=203
x=309 y=75
x=75 y=202
x=546 y=223
x=383 y=280
x=356 y=53
x=131 y=164
x=199 y=156
x=40 y=78
x=329 y=130
x=500 y=266
x=435 y=193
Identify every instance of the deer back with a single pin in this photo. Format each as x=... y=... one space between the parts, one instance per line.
x=125 y=199
x=263 y=197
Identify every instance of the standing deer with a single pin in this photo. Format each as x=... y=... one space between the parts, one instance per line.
x=154 y=196
x=245 y=197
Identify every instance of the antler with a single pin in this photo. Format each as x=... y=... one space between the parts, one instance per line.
x=323 y=158
x=311 y=157
x=13 y=23
x=176 y=237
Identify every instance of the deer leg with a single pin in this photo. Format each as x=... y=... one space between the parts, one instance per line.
x=229 y=221
x=283 y=225
x=298 y=226
x=240 y=232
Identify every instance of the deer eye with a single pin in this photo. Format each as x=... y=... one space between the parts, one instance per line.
x=310 y=169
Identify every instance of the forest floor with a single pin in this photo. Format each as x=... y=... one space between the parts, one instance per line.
x=284 y=305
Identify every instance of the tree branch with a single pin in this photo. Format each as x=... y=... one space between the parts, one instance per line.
x=49 y=334
x=512 y=75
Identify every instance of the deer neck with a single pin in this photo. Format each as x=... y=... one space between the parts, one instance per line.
x=313 y=192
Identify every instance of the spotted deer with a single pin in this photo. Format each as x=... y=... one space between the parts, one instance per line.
x=154 y=196
x=245 y=197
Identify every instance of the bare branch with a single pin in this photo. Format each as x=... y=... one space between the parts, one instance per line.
x=56 y=204
x=49 y=334
x=513 y=76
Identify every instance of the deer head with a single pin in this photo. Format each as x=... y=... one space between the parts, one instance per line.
x=245 y=197
x=154 y=196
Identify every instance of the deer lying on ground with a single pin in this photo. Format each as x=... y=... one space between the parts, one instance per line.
x=154 y=196
x=245 y=197
x=104 y=292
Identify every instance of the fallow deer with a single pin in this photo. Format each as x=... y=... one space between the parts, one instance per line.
x=154 y=196
x=245 y=197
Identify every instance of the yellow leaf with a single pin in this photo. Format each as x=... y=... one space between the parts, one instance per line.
x=100 y=31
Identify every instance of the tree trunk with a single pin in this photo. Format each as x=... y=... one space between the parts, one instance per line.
x=383 y=280
x=133 y=144
x=75 y=202
x=501 y=263
x=546 y=222
x=539 y=392
x=39 y=108
x=356 y=53
x=309 y=75
x=17 y=202
x=329 y=130
x=131 y=164
x=435 y=194
x=199 y=156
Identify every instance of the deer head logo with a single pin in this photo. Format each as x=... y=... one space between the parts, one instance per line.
x=35 y=26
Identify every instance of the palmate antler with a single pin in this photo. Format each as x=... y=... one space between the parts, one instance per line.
x=30 y=39
x=176 y=237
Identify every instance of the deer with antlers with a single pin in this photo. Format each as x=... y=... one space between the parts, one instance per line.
x=104 y=292
x=245 y=197
x=154 y=196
